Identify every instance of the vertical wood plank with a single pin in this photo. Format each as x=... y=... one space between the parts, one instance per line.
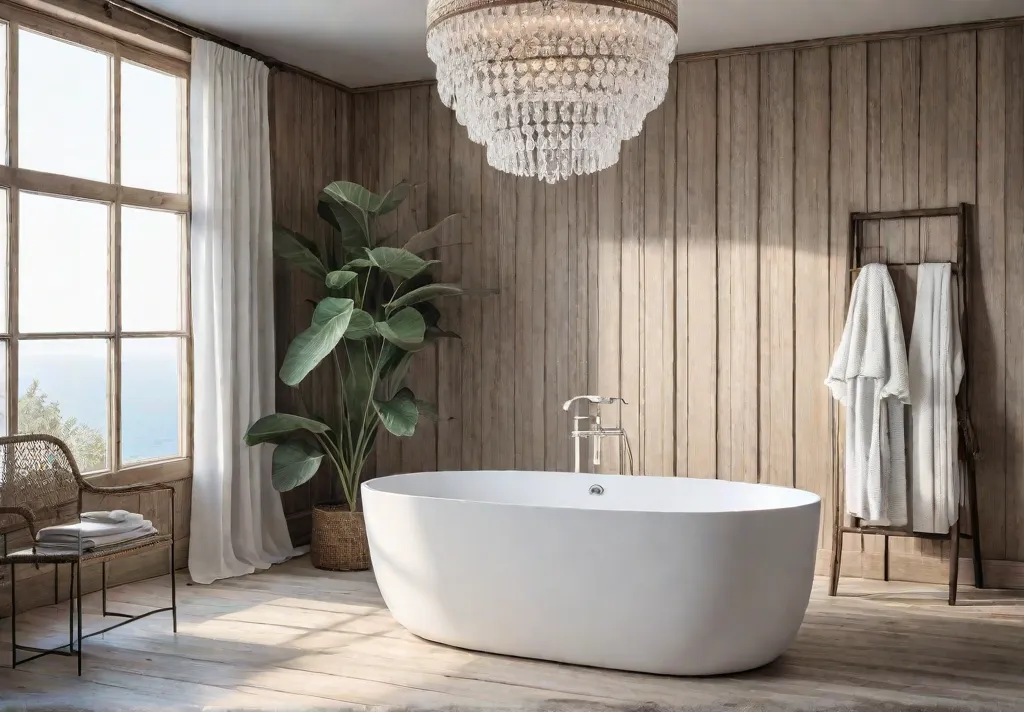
x=656 y=372
x=777 y=306
x=536 y=319
x=503 y=437
x=491 y=342
x=813 y=352
x=632 y=295
x=934 y=155
x=609 y=300
x=848 y=193
x=393 y=158
x=682 y=237
x=1014 y=236
x=873 y=249
x=724 y=434
x=439 y=120
x=738 y=272
x=419 y=453
x=526 y=362
x=911 y=106
x=557 y=335
x=451 y=143
x=989 y=370
x=702 y=286
x=472 y=278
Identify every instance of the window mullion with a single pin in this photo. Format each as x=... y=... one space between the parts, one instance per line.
x=13 y=212
x=115 y=264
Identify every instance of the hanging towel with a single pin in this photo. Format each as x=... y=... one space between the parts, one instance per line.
x=936 y=369
x=869 y=375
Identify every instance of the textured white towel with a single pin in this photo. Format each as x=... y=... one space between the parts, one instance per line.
x=936 y=369
x=68 y=539
x=87 y=529
x=115 y=516
x=869 y=375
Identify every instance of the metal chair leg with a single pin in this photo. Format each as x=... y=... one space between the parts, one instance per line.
x=103 y=587
x=14 y=619
x=71 y=610
x=174 y=593
x=79 y=588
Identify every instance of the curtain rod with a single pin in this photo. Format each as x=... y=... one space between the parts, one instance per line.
x=197 y=33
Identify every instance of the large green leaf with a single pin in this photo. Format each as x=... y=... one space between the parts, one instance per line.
x=400 y=414
x=298 y=250
x=392 y=199
x=398 y=262
x=339 y=279
x=361 y=325
x=275 y=428
x=346 y=220
x=404 y=329
x=295 y=463
x=358 y=378
x=359 y=202
x=425 y=293
x=434 y=236
x=308 y=349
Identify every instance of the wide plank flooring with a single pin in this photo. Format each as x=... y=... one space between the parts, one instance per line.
x=298 y=638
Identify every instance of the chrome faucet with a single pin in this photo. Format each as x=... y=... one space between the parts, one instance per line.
x=595 y=431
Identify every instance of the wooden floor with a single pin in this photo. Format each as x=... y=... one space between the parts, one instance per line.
x=298 y=638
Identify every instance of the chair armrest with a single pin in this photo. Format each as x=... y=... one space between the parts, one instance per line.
x=26 y=514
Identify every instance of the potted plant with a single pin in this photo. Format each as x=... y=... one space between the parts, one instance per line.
x=378 y=311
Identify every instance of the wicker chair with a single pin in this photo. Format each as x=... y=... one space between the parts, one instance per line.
x=40 y=482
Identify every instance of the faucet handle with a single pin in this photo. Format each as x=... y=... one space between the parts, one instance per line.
x=598 y=400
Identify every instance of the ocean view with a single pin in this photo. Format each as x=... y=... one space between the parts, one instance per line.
x=74 y=376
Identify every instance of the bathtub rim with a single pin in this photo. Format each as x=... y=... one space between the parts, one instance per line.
x=810 y=498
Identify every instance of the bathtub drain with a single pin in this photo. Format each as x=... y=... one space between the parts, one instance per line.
x=596 y=489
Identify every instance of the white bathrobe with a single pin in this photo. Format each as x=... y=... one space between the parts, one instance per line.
x=936 y=369
x=869 y=375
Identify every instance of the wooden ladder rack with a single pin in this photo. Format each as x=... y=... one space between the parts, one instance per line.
x=968 y=450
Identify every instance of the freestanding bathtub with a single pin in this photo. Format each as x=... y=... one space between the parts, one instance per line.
x=674 y=576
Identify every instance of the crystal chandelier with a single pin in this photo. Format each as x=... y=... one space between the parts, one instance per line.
x=552 y=87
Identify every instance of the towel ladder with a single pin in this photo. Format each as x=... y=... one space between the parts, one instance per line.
x=967 y=442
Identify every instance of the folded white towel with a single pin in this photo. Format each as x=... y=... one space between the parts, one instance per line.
x=87 y=529
x=115 y=516
x=869 y=375
x=936 y=370
x=71 y=542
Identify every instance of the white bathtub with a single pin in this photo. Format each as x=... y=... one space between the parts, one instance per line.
x=661 y=575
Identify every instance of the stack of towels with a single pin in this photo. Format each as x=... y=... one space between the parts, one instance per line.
x=95 y=529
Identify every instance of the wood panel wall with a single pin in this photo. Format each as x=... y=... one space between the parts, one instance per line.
x=702 y=278
x=310 y=147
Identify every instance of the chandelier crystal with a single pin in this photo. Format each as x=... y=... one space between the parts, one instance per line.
x=552 y=87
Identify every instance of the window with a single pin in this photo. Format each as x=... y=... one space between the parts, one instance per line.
x=94 y=330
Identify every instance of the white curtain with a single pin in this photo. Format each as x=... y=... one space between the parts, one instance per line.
x=238 y=524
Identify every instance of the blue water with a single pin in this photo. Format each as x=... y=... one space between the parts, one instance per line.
x=149 y=386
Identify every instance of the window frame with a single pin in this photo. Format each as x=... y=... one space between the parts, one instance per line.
x=15 y=180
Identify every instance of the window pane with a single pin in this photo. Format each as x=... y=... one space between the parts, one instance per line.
x=62 y=391
x=63 y=107
x=4 y=153
x=62 y=251
x=151 y=377
x=151 y=247
x=150 y=135
x=4 y=425
x=4 y=197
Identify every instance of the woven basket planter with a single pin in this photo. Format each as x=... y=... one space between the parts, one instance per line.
x=339 y=539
